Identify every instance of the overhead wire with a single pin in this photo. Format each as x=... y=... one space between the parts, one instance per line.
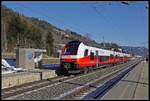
x=62 y=22
x=104 y=17
x=77 y=25
x=57 y=20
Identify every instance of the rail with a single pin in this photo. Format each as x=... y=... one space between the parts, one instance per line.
x=81 y=89
x=100 y=91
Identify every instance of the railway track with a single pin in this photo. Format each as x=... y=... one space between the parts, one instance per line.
x=13 y=92
x=17 y=90
x=98 y=86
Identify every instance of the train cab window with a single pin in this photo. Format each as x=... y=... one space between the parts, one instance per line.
x=86 y=52
x=71 y=48
x=91 y=55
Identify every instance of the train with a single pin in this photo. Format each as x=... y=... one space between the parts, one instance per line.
x=77 y=57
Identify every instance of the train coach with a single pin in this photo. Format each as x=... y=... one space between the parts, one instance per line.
x=77 y=57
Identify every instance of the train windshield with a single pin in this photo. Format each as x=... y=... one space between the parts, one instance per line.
x=71 y=48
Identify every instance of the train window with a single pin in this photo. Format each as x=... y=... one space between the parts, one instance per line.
x=92 y=56
x=96 y=53
x=111 y=55
x=104 y=58
x=86 y=52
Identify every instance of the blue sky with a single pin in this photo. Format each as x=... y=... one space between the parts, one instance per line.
x=122 y=24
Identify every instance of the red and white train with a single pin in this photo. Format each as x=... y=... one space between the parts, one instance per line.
x=76 y=56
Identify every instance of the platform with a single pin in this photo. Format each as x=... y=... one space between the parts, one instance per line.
x=134 y=85
x=51 y=60
x=18 y=78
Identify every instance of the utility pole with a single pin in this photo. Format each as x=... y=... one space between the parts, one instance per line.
x=103 y=42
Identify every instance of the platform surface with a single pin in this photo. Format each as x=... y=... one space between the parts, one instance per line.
x=134 y=85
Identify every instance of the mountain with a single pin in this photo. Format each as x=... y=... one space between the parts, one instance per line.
x=32 y=32
x=142 y=51
x=36 y=33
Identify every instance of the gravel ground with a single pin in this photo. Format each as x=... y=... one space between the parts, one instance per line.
x=51 y=92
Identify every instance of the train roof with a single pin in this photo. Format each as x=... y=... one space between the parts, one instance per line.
x=103 y=51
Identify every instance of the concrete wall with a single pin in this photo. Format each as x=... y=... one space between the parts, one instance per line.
x=14 y=79
x=25 y=58
x=50 y=61
x=48 y=74
x=18 y=79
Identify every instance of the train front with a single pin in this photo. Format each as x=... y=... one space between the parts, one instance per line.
x=69 y=57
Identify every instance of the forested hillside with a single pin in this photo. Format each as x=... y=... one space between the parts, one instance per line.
x=25 y=32
x=30 y=32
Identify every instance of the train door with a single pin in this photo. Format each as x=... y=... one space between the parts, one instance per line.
x=96 y=58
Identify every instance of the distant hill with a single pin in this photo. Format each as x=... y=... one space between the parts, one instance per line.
x=142 y=51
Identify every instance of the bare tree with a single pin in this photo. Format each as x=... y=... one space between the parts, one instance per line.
x=87 y=35
x=4 y=36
